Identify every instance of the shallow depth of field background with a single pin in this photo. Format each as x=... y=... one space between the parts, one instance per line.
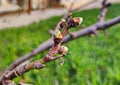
x=91 y=60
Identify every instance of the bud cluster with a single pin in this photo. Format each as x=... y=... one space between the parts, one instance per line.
x=57 y=37
x=70 y=22
x=63 y=50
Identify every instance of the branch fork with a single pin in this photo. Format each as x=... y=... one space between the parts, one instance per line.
x=56 y=48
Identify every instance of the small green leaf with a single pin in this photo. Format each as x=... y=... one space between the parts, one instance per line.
x=58 y=34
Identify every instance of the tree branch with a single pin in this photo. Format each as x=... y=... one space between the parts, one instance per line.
x=13 y=70
x=104 y=10
x=91 y=29
x=43 y=46
x=70 y=10
x=103 y=13
x=50 y=56
x=78 y=34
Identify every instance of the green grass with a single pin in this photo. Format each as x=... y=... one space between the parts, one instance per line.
x=92 y=60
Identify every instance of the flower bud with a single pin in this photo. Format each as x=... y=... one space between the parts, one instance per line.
x=65 y=50
x=78 y=20
x=57 y=40
x=70 y=15
x=62 y=20
x=63 y=23
x=58 y=34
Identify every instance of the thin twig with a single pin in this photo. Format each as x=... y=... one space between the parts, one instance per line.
x=104 y=10
x=103 y=13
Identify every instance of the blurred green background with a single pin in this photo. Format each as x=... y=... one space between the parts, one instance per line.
x=92 y=60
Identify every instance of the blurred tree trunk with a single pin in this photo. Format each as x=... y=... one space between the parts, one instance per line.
x=25 y=4
x=29 y=6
